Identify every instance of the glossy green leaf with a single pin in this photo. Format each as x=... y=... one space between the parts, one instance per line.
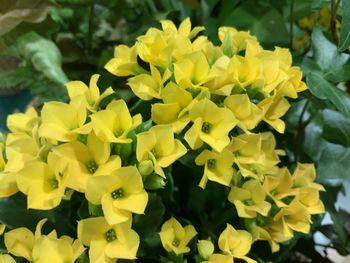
x=336 y=127
x=324 y=90
x=44 y=55
x=344 y=40
x=334 y=65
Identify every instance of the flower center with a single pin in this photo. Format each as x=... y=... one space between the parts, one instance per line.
x=54 y=183
x=175 y=242
x=110 y=235
x=211 y=163
x=206 y=127
x=92 y=166
x=118 y=193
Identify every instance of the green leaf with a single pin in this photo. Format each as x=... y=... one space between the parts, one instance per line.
x=344 y=40
x=44 y=55
x=33 y=11
x=324 y=90
x=336 y=127
x=334 y=65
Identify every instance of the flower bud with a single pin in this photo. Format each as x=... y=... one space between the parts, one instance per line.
x=205 y=248
x=146 y=167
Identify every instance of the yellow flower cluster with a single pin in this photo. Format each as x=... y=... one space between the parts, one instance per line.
x=205 y=99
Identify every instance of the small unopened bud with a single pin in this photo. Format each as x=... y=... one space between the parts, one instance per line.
x=205 y=248
x=146 y=167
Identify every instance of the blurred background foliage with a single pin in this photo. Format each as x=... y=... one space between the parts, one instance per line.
x=43 y=44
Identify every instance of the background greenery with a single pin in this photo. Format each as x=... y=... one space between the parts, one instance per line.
x=45 y=43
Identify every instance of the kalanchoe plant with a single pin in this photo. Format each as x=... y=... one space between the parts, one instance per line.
x=190 y=172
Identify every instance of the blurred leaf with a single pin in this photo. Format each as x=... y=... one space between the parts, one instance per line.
x=33 y=11
x=324 y=90
x=336 y=127
x=334 y=65
x=44 y=55
x=344 y=40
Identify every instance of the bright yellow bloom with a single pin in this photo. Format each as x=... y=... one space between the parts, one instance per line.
x=175 y=238
x=234 y=41
x=219 y=258
x=174 y=109
x=146 y=86
x=39 y=248
x=43 y=183
x=121 y=193
x=5 y=258
x=115 y=122
x=310 y=198
x=273 y=109
x=159 y=146
x=90 y=95
x=255 y=153
x=249 y=199
x=23 y=122
x=88 y=160
x=184 y=29
x=305 y=175
x=192 y=71
x=63 y=122
x=108 y=242
x=124 y=62
x=245 y=71
x=218 y=166
x=211 y=125
x=247 y=113
x=236 y=243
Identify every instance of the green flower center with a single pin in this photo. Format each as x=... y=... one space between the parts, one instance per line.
x=206 y=127
x=175 y=242
x=54 y=183
x=118 y=193
x=211 y=163
x=110 y=235
x=92 y=166
x=118 y=132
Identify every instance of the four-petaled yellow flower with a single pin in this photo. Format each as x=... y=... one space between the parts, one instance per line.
x=115 y=122
x=108 y=242
x=121 y=193
x=175 y=237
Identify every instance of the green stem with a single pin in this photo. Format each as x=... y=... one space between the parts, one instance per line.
x=333 y=25
x=91 y=25
x=291 y=24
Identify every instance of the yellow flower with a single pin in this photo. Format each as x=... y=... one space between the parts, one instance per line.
x=175 y=238
x=5 y=258
x=249 y=199
x=305 y=175
x=236 y=243
x=43 y=183
x=88 y=160
x=23 y=122
x=121 y=193
x=115 y=122
x=310 y=198
x=184 y=29
x=124 y=62
x=21 y=242
x=234 y=41
x=108 y=242
x=247 y=113
x=218 y=166
x=146 y=86
x=219 y=258
x=175 y=106
x=191 y=71
x=159 y=146
x=90 y=95
x=278 y=185
x=211 y=125
x=255 y=153
x=63 y=122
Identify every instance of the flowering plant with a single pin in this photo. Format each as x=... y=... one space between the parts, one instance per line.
x=189 y=173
